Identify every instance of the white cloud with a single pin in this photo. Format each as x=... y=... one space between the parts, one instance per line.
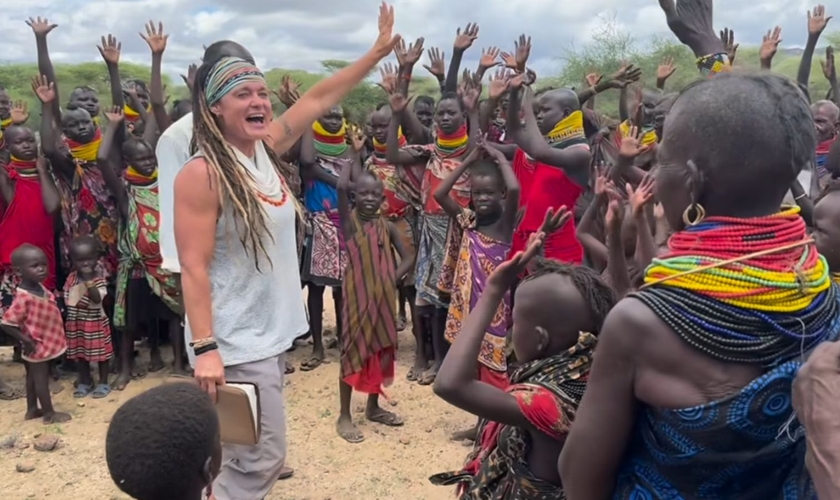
x=300 y=33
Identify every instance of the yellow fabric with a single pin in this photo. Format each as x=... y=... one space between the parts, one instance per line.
x=133 y=172
x=568 y=128
x=320 y=130
x=129 y=112
x=399 y=138
x=86 y=152
x=647 y=139
x=5 y=123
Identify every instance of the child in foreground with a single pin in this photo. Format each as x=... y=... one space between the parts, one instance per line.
x=369 y=329
x=87 y=325
x=558 y=311
x=34 y=320
x=176 y=458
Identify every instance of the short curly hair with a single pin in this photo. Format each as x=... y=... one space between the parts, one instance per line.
x=157 y=440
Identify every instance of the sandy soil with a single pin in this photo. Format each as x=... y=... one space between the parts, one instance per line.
x=391 y=463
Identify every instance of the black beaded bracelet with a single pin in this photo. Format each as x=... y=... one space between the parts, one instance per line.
x=205 y=348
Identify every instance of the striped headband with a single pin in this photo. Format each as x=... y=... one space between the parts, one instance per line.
x=226 y=75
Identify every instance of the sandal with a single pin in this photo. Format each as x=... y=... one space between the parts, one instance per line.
x=101 y=391
x=401 y=321
x=386 y=418
x=289 y=368
x=286 y=473
x=311 y=364
x=82 y=390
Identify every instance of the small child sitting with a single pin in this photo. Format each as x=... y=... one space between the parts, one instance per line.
x=34 y=320
x=178 y=456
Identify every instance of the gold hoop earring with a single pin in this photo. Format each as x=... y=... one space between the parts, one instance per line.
x=698 y=216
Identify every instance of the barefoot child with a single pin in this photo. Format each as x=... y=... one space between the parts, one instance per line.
x=369 y=334
x=146 y=293
x=34 y=320
x=87 y=325
x=485 y=231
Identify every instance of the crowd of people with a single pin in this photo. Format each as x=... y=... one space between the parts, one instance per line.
x=624 y=305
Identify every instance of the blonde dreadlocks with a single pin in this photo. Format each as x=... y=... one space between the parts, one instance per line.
x=235 y=183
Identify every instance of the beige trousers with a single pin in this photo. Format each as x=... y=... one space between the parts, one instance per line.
x=249 y=472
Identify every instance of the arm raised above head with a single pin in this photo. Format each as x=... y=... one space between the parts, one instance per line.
x=286 y=129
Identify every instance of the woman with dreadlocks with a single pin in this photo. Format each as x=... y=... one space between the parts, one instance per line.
x=706 y=352
x=558 y=310
x=235 y=232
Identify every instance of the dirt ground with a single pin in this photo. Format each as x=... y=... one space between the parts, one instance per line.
x=391 y=463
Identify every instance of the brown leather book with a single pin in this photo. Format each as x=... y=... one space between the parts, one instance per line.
x=238 y=407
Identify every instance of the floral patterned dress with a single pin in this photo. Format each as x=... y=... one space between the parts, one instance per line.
x=139 y=247
x=89 y=209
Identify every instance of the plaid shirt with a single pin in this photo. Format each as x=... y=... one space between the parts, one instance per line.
x=40 y=319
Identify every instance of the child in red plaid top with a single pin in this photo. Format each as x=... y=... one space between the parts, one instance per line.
x=34 y=320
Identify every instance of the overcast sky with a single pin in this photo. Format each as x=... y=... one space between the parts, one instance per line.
x=300 y=33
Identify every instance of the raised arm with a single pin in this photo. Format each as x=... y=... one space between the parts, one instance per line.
x=441 y=194
x=456 y=382
x=817 y=21
x=156 y=39
x=437 y=66
x=463 y=41
x=830 y=71
x=487 y=61
x=769 y=46
x=393 y=153
x=691 y=22
x=105 y=159
x=343 y=188
x=511 y=186
x=640 y=199
x=45 y=91
x=407 y=58
x=110 y=51
x=665 y=70
x=49 y=192
x=42 y=27
x=286 y=129
x=595 y=248
x=575 y=161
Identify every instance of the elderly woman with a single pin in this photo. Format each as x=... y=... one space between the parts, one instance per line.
x=235 y=231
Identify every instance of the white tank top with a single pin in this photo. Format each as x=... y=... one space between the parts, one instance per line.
x=256 y=314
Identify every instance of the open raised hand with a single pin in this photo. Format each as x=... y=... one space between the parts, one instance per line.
x=110 y=49
x=499 y=84
x=817 y=21
x=631 y=144
x=44 y=89
x=615 y=208
x=388 y=73
x=41 y=26
x=387 y=40
x=488 y=58
x=506 y=273
x=555 y=220
x=114 y=115
x=666 y=69
x=691 y=22
x=409 y=56
x=626 y=74
x=642 y=195
x=464 y=40
x=770 y=44
x=727 y=37
x=155 y=37
x=594 y=78
x=19 y=112
x=437 y=66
